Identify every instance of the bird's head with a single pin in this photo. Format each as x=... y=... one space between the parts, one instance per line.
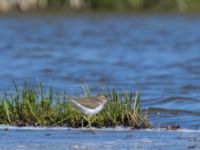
x=102 y=98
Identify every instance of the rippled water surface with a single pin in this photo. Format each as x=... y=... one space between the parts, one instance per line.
x=81 y=139
x=158 y=55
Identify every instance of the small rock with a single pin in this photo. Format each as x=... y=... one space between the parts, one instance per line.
x=173 y=127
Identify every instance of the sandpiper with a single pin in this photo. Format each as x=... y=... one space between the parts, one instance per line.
x=90 y=105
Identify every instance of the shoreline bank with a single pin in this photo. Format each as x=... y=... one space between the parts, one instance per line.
x=7 y=6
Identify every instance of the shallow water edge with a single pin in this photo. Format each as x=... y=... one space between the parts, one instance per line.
x=117 y=138
x=118 y=128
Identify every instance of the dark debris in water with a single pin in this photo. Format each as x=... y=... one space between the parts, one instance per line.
x=192 y=147
x=48 y=134
x=6 y=129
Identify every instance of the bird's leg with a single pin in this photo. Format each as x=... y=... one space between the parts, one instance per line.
x=82 y=123
x=88 y=120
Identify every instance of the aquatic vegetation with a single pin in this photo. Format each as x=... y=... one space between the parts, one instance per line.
x=29 y=107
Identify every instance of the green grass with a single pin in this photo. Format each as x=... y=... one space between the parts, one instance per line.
x=134 y=5
x=28 y=107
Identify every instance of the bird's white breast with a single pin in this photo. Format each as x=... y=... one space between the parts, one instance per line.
x=86 y=110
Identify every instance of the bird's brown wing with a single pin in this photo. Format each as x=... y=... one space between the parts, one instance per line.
x=88 y=102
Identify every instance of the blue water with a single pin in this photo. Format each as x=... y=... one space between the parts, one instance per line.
x=82 y=139
x=158 y=55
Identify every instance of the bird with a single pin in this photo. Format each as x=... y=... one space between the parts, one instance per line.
x=89 y=105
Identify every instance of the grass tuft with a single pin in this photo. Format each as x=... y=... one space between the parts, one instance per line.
x=28 y=107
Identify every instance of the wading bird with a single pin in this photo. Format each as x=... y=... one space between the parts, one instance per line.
x=90 y=105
